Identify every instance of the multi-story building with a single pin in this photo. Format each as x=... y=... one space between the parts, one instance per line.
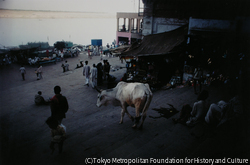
x=129 y=28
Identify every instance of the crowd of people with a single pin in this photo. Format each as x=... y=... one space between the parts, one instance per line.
x=97 y=74
x=213 y=115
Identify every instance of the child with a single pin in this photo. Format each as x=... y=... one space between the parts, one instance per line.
x=39 y=100
x=58 y=133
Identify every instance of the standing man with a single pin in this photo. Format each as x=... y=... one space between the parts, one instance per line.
x=99 y=73
x=58 y=105
x=86 y=72
x=198 y=74
x=93 y=77
x=23 y=71
x=39 y=72
x=106 y=69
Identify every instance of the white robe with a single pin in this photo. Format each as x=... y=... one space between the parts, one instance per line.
x=198 y=113
x=93 y=76
x=86 y=73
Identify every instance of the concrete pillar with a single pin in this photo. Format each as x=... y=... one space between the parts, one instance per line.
x=124 y=23
x=117 y=24
x=129 y=25
x=138 y=25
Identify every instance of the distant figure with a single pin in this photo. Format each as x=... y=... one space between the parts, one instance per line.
x=58 y=105
x=93 y=78
x=66 y=65
x=198 y=73
x=23 y=72
x=61 y=54
x=89 y=54
x=79 y=66
x=39 y=72
x=47 y=53
x=58 y=134
x=39 y=100
x=86 y=73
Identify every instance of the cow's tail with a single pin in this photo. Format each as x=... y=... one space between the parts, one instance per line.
x=148 y=101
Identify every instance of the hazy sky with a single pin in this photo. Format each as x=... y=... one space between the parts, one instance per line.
x=111 y=6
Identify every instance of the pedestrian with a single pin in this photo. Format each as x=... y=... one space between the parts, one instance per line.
x=106 y=69
x=89 y=54
x=61 y=55
x=39 y=72
x=86 y=73
x=66 y=66
x=58 y=105
x=23 y=72
x=63 y=67
x=93 y=77
x=58 y=134
x=39 y=100
x=198 y=73
x=99 y=74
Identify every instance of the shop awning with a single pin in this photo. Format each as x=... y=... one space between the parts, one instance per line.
x=158 y=44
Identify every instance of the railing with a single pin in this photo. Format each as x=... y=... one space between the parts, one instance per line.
x=121 y=29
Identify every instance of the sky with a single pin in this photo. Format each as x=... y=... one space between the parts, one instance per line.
x=109 y=6
x=10 y=28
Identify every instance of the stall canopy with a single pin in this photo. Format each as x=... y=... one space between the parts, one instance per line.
x=158 y=44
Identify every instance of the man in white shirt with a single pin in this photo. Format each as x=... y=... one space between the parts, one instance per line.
x=23 y=72
x=93 y=77
x=86 y=72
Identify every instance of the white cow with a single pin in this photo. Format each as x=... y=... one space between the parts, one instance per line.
x=137 y=95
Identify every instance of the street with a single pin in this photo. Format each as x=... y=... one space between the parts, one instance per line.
x=94 y=132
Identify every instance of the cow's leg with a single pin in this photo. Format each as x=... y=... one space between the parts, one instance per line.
x=143 y=118
x=137 y=117
x=122 y=115
x=131 y=117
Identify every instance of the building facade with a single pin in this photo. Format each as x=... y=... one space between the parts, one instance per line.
x=129 y=28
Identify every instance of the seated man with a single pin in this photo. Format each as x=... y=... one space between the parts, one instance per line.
x=190 y=116
x=223 y=111
x=199 y=109
x=66 y=65
x=39 y=100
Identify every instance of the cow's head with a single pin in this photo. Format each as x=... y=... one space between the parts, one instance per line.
x=101 y=99
x=105 y=97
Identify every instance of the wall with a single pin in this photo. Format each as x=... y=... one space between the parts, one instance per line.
x=152 y=25
x=240 y=25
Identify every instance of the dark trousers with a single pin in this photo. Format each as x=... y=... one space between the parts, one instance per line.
x=60 y=146
x=185 y=113
x=23 y=76
x=195 y=84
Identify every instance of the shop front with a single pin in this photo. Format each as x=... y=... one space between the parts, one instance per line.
x=157 y=58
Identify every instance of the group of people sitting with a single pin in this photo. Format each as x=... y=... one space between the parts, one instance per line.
x=216 y=114
x=65 y=66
